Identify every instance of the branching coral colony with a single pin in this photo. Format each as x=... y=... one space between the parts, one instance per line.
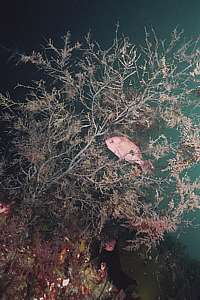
x=59 y=168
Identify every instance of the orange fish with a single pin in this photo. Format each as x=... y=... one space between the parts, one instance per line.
x=125 y=149
x=110 y=246
x=4 y=209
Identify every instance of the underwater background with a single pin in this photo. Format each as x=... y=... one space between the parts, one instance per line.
x=27 y=24
x=40 y=20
